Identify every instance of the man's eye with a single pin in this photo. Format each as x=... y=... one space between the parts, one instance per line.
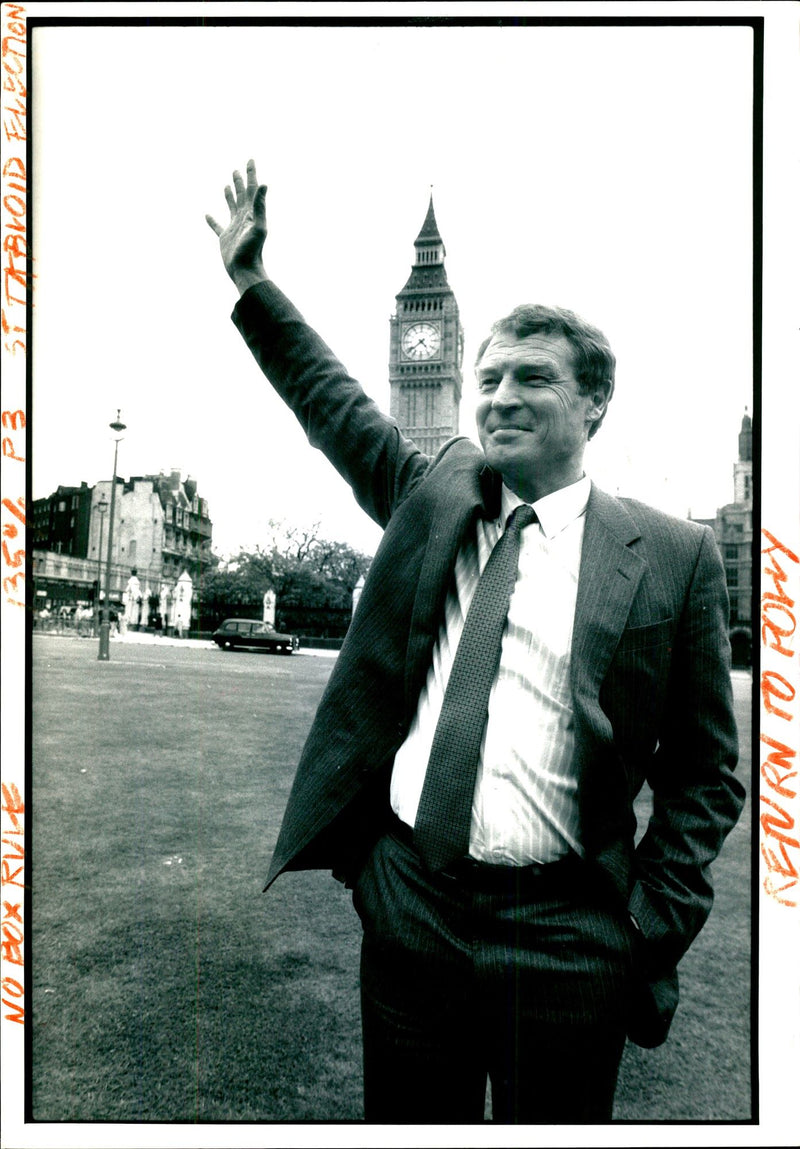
x=487 y=384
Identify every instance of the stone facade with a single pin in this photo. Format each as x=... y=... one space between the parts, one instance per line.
x=733 y=530
x=162 y=531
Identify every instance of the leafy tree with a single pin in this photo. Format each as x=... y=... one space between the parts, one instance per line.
x=313 y=579
x=234 y=587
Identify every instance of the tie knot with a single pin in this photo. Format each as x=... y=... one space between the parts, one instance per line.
x=521 y=516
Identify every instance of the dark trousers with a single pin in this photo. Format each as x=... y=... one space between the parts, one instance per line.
x=518 y=975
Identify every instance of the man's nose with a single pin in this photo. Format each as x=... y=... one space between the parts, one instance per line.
x=506 y=393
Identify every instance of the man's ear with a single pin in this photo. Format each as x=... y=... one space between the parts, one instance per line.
x=601 y=397
x=603 y=393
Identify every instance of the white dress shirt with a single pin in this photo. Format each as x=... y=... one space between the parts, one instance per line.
x=525 y=806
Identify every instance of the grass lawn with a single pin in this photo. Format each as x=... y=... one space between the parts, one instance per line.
x=166 y=987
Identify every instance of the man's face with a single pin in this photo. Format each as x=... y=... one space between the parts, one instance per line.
x=533 y=422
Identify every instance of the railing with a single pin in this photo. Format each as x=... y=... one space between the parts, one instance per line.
x=83 y=626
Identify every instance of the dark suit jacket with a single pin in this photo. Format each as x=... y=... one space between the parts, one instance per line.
x=650 y=661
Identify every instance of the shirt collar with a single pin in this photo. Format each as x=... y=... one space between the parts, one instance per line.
x=556 y=510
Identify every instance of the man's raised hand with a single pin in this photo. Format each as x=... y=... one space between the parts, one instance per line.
x=242 y=241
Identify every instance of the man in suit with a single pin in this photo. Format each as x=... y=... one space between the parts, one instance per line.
x=526 y=652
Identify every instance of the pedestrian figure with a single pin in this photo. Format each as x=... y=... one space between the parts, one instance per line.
x=526 y=652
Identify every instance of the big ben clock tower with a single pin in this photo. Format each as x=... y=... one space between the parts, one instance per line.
x=426 y=347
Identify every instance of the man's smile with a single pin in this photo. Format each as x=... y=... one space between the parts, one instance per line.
x=509 y=429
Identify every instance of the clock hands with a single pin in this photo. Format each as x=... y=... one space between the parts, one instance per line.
x=420 y=343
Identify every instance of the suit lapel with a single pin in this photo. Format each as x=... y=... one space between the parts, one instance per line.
x=609 y=577
x=610 y=574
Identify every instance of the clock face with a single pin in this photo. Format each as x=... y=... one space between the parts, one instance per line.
x=421 y=341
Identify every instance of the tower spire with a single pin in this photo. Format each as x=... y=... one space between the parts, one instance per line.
x=428 y=269
x=746 y=439
x=429 y=232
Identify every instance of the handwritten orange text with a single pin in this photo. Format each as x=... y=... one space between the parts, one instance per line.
x=12 y=885
x=13 y=556
x=17 y=272
x=15 y=184
x=779 y=838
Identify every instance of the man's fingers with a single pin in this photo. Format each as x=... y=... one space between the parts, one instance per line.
x=241 y=200
x=259 y=210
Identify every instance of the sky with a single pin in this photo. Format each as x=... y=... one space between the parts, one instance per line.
x=606 y=169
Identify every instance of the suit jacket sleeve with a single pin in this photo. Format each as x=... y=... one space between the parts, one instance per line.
x=696 y=799
x=366 y=446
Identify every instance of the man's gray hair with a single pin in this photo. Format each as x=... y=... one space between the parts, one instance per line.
x=593 y=359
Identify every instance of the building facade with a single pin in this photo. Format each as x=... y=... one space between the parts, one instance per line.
x=61 y=522
x=162 y=530
x=733 y=530
x=426 y=347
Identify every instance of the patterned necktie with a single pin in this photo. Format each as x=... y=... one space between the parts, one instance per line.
x=441 y=830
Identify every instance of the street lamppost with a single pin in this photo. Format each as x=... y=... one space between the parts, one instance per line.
x=101 y=509
x=105 y=624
